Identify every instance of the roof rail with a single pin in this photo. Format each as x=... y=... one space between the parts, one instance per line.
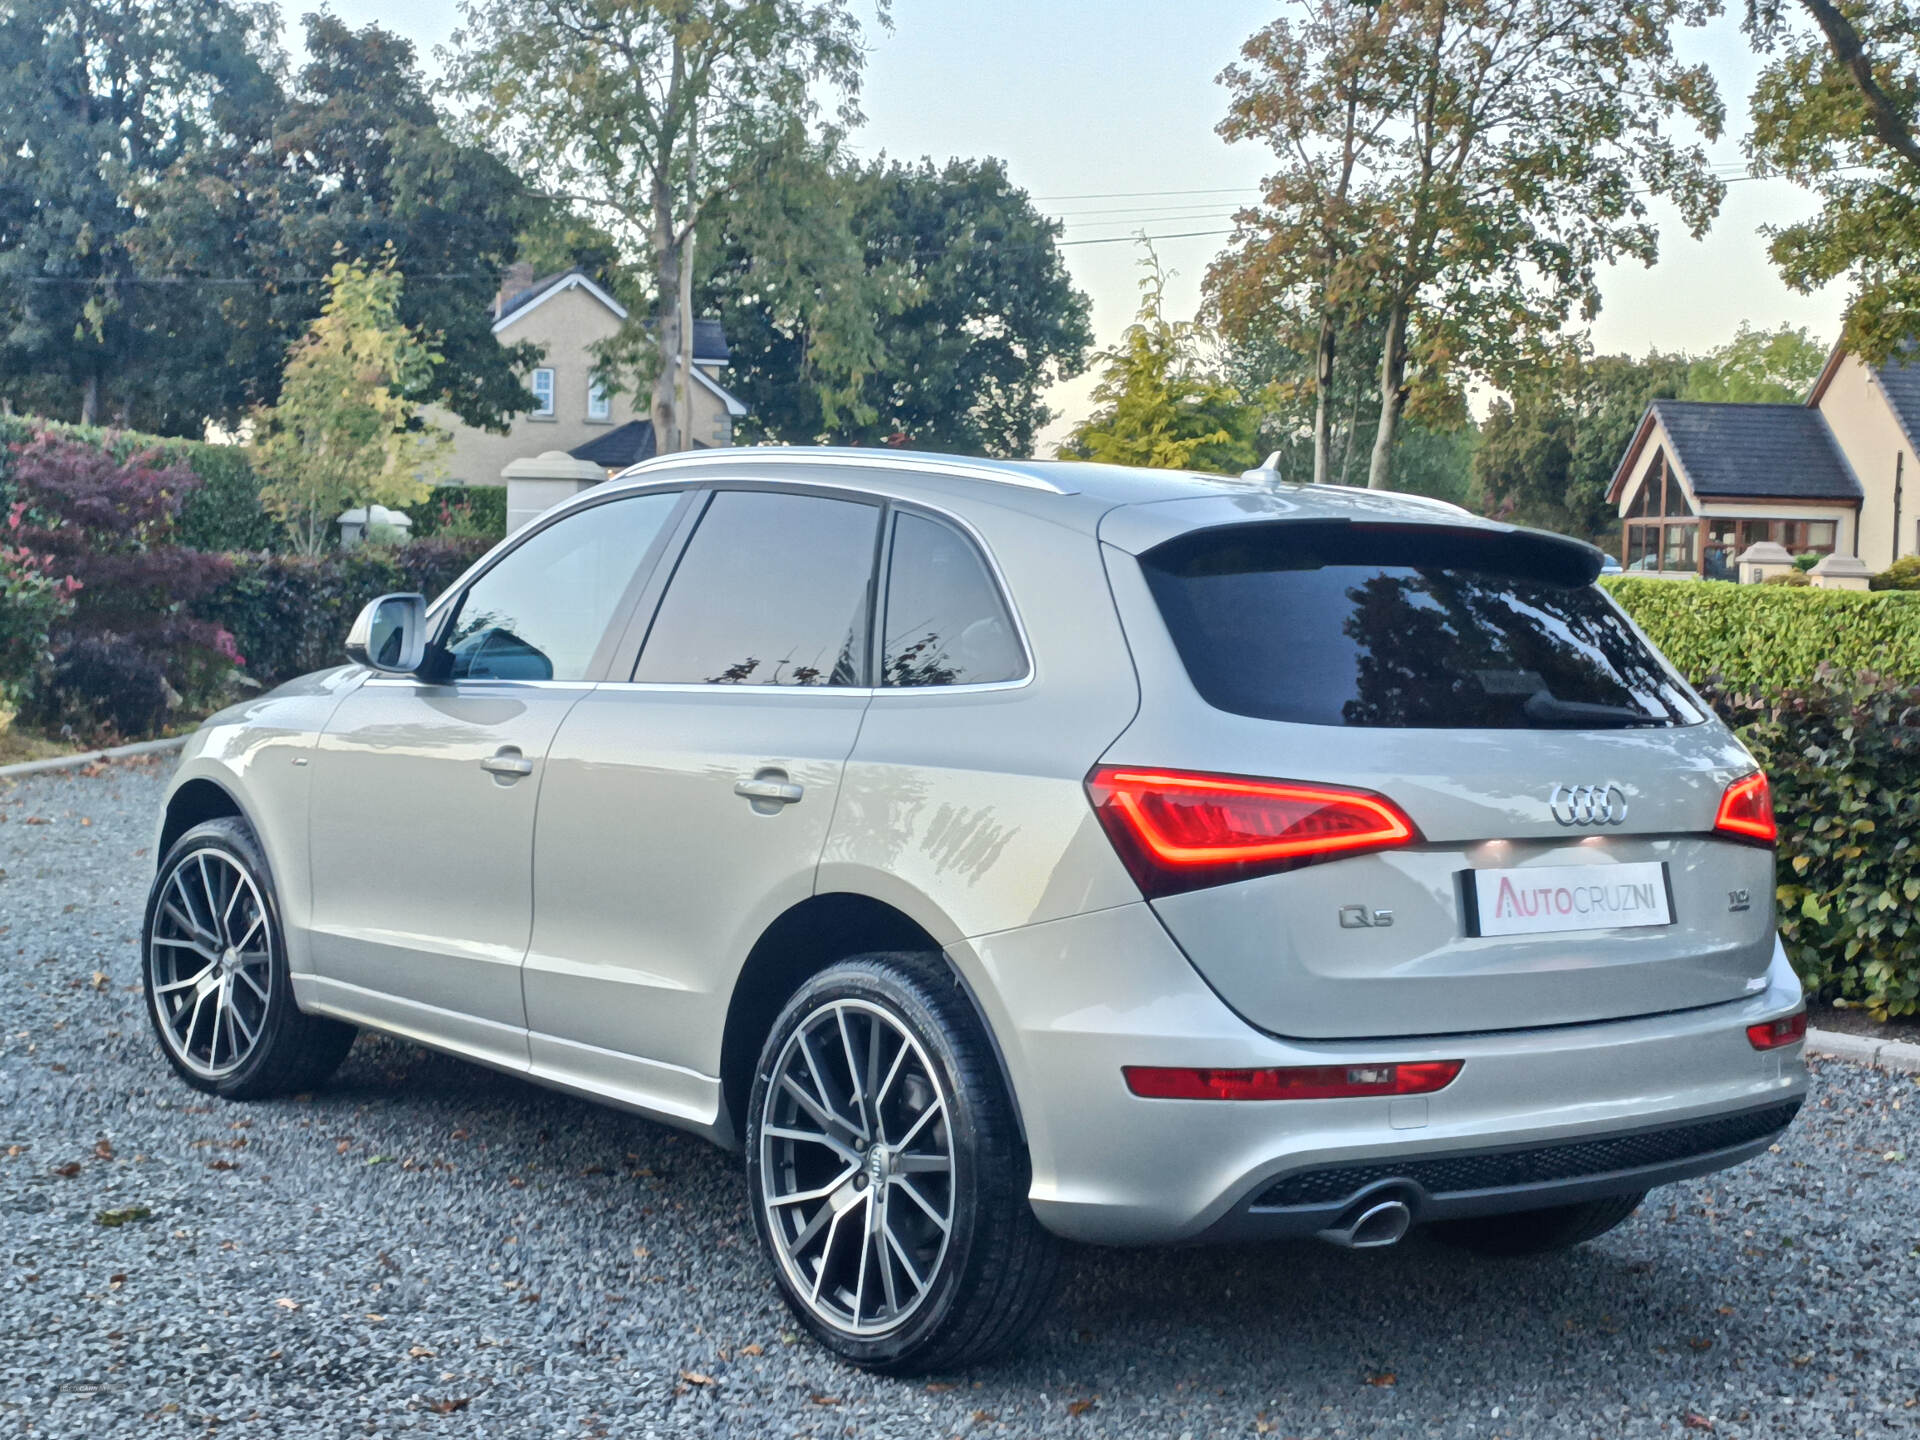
x=869 y=459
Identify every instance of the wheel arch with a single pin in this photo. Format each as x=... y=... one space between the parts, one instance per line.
x=804 y=940
x=194 y=802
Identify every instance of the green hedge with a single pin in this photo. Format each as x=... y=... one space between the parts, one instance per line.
x=223 y=514
x=289 y=614
x=1773 y=635
x=1843 y=754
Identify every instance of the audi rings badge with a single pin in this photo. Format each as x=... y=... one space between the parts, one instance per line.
x=1588 y=805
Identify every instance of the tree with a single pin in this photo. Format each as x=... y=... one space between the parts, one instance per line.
x=646 y=115
x=1548 y=451
x=343 y=432
x=974 y=311
x=1758 y=365
x=102 y=99
x=1837 y=111
x=1160 y=404
x=1502 y=152
x=351 y=162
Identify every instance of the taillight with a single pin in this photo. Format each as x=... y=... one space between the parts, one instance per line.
x=1309 y=1082
x=1746 y=810
x=1177 y=830
x=1772 y=1034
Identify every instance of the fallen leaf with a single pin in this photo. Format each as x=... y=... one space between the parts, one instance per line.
x=68 y=1170
x=103 y=1150
x=939 y=1387
x=824 y=1399
x=450 y=1406
x=376 y=1319
x=695 y=1377
x=132 y=1214
x=287 y=1302
x=1079 y=1407
x=1694 y=1421
x=459 y=1135
x=419 y=1352
x=1382 y=1378
x=99 y=979
x=757 y=1350
x=981 y=1417
x=222 y=1165
x=379 y=1160
x=1700 y=1342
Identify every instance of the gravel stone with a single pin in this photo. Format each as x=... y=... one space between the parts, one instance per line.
x=429 y=1246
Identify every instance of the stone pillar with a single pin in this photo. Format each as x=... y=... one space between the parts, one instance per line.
x=540 y=482
x=1761 y=559
x=1841 y=572
x=355 y=523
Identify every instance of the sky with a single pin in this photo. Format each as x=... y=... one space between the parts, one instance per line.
x=1104 y=110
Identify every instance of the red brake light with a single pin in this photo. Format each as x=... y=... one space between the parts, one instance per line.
x=1177 y=830
x=1311 y=1082
x=1746 y=810
x=1772 y=1034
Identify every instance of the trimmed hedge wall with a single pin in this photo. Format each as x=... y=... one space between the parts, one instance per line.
x=223 y=514
x=1773 y=635
x=289 y=614
x=1843 y=755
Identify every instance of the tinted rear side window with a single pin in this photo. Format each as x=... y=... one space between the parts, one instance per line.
x=772 y=590
x=1404 y=627
x=946 y=624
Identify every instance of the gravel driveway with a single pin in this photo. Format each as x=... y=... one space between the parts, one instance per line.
x=427 y=1245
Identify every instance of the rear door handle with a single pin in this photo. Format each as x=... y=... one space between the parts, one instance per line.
x=509 y=763
x=781 y=792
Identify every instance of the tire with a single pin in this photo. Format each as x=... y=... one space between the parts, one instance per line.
x=213 y=963
x=933 y=1118
x=1536 y=1232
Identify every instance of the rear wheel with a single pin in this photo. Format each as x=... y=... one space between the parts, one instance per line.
x=1535 y=1232
x=886 y=1173
x=214 y=966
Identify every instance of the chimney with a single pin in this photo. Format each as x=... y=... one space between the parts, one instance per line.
x=515 y=278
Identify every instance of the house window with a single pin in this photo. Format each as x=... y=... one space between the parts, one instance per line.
x=543 y=392
x=1650 y=545
x=599 y=403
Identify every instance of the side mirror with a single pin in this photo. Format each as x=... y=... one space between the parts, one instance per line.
x=391 y=635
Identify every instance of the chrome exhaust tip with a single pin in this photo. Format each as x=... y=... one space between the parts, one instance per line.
x=1378 y=1225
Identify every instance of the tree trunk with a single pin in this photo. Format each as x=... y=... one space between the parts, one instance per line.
x=90 y=400
x=666 y=286
x=1393 y=396
x=1322 y=400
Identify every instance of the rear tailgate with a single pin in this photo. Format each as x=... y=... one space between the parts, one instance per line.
x=1559 y=876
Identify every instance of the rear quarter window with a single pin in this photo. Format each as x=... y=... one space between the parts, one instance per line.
x=1407 y=627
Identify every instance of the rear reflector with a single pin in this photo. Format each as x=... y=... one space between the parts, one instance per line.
x=1772 y=1034
x=1312 y=1082
x=1177 y=830
x=1746 y=810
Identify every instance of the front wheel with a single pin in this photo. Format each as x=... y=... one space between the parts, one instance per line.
x=1536 y=1232
x=886 y=1173
x=214 y=963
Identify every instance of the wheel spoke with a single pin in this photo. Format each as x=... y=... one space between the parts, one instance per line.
x=827 y=1119
x=213 y=905
x=892 y=1071
x=826 y=1254
x=812 y=1228
x=886 y=1261
x=814 y=1137
x=819 y=1192
x=194 y=979
x=925 y=1115
x=854 y=1078
x=245 y=972
x=241 y=943
x=247 y=1032
x=818 y=1071
x=922 y=1165
x=866 y=1245
x=906 y=1262
x=913 y=1193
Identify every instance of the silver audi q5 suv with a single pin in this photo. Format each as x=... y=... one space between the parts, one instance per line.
x=998 y=852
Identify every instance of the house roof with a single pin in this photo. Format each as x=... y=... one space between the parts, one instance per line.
x=709 y=338
x=1747 y=451
x=619 y=447
x=1900 y=379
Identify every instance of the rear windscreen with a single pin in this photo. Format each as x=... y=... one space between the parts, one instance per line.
x=1411 y=627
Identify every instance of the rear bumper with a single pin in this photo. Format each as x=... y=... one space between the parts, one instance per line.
x=1652 y=1100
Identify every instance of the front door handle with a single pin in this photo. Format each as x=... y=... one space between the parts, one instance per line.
x=508 y=764
x=780 y=792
